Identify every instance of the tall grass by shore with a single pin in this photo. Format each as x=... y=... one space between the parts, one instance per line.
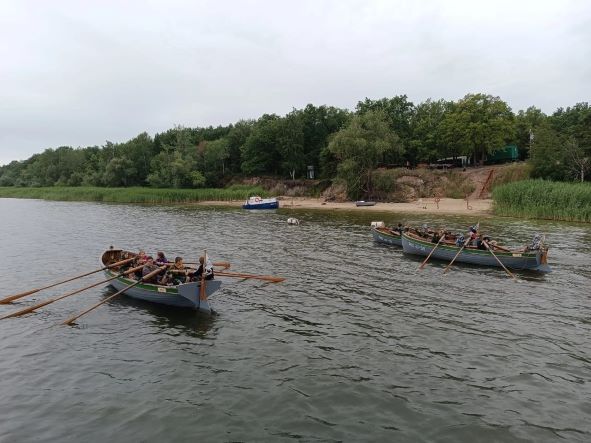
x=544 y=199
x=134 y=195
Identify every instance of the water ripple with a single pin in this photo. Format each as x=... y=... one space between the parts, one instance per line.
x=355 y=345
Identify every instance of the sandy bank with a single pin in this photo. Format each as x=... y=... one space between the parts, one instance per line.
x=444 y=206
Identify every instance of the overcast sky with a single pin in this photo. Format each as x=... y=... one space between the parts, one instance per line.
x=78 y=73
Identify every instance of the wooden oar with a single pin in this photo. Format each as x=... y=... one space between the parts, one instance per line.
x=456 y=256
x=24 y=294
x=71 y=320
x=51 y=300
x=257 y=277
x=461 y=249
x=500 y=262
x=432 y=251
x=223 y=264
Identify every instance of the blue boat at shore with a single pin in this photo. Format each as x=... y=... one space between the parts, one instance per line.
x=261 y=203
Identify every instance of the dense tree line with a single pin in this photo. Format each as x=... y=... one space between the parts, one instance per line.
x=336 y=142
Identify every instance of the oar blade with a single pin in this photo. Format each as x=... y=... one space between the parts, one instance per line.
x=10 y=298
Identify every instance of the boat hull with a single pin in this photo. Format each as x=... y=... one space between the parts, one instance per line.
x=270 y=205
x=386 y=237
x=530 y=260
x=186 y=295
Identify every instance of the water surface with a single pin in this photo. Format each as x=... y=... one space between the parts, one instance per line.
x=356 y=345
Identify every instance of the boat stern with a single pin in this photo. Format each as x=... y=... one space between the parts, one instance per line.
x=543 y=265
x=190 y=291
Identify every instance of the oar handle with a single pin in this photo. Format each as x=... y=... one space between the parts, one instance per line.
x=52 y=300
x=24 y=294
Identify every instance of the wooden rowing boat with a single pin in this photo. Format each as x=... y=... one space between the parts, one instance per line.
x=183 y=296
x=518 y=259
x=386 y=235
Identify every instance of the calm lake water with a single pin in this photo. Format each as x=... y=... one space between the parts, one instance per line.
x=354 y=346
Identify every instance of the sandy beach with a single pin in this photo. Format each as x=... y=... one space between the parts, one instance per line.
x=443 y=206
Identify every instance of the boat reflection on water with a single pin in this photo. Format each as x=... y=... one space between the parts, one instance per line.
x=167 y=318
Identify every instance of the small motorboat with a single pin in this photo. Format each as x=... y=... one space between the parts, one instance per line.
x=261 y=203
x=364 y=203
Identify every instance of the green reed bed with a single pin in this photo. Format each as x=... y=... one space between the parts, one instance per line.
x=134 y=195
x=544 y=199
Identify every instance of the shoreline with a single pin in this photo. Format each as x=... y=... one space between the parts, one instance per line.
x=426 y=205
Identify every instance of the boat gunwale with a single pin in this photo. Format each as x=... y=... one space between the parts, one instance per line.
x=471 y=250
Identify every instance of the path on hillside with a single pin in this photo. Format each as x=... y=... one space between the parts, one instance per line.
x=479 y=176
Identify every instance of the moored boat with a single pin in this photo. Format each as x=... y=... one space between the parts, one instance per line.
x=364 y=203
x=261 y=203
x=186 y=295
x=382 y=234
x=526 y=258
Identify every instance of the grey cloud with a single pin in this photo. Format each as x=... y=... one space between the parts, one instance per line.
x=79 y=73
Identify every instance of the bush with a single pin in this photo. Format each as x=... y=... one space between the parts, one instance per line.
x=544 y=199
x=513 y=173
x=134 y=195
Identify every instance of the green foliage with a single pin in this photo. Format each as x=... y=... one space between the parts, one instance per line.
x=548 y=156
x=334 y=141
x=478 y=124
x=427 y=143
x=360 y=146
x=397 y=112
x=259 y=152
x=215 y=158
x=544 y=199
x=236 y=138
x=318 y=124
x=526 y=124
x=118 y=172
x=134 y=195
x=291 y=143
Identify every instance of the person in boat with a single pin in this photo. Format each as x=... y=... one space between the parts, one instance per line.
x=178 y=273
x=161 y=259
x=438 y=234
x=398 y=228
x=149 y=266
x=473 y=236
x=435 y=237
x=203 y=267
x=140 y=260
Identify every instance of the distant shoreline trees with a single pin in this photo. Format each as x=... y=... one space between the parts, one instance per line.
x=337 y=143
